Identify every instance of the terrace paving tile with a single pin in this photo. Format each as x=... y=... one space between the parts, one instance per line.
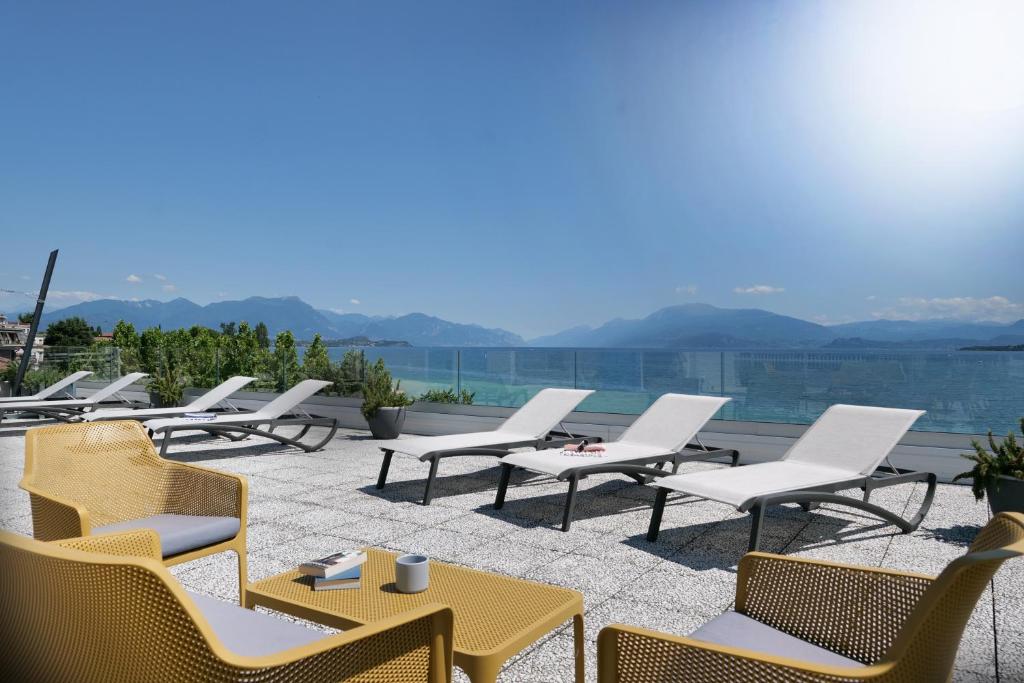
x=440 y=544
x=308 y=505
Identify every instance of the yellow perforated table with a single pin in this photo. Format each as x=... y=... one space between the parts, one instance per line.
x=495 y=616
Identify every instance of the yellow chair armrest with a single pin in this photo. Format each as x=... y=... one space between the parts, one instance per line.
x=856 y=611
x=53 y=517
x=193 y=490
x=140 y=543
x=410 y=647
x=626 y=654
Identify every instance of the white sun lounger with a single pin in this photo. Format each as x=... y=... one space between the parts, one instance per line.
x=207 y=401
x=282 y=411
x=71 y=409
x=660 y=435
x=51 y=390
x=842 y=450
x=531 y=425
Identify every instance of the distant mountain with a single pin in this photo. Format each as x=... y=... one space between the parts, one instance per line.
x=920 y=330
x=689 y=326
x=420 y=330
x=286 y=313
x=696 y=326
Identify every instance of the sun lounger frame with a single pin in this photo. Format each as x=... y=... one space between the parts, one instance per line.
x=638 y=469
x=553 y=439
x=251 y=427
x=811 y=497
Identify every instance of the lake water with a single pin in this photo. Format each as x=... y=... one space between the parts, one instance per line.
x=963 y=391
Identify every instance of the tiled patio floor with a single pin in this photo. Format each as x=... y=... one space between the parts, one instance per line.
x=307 y=505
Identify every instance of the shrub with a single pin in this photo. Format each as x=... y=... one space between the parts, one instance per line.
x=1004 y=459
x=379 y=391
x=448 y=395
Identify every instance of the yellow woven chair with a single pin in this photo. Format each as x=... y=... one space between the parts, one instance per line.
x=105 y=609
x=102 y=477
x=804 y=620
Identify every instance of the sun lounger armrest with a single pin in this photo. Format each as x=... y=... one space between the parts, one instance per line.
x=193 y=490
x=414 y=646
x=138 y=543
x=855 y=611
x=53 y=517
x=626 y=654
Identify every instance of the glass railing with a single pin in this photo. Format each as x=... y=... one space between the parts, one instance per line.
x=962 y=391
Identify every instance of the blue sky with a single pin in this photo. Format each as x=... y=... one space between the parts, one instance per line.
x=530 y=165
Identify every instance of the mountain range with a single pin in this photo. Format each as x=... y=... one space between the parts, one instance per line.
x=688 y=326
x=285 y=313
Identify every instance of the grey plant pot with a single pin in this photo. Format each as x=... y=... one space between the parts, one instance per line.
x=387 y=423
x=155 y=402
x=1008 y=498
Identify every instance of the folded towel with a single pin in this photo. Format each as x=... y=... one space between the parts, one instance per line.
x=583 y=448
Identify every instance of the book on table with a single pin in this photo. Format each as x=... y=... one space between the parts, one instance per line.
x=350 y=578
x=332 y=565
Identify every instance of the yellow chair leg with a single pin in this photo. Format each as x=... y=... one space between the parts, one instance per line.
x=243 y=574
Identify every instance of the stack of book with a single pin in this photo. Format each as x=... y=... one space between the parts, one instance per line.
x=335 y=572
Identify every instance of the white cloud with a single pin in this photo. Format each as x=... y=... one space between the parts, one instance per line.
x=339 y=311
x=968 y=308
x=133 y=278
x=169 y=287
x=160 y=277
x=689 y=290
x=759 y=289
x=221 y=295
x=870 y=298
x=355 y=302
x=74 y=295
x=25 y=277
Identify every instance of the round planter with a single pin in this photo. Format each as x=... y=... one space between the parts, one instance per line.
x=155 y=402
x=387 y=423
x=1006 y=496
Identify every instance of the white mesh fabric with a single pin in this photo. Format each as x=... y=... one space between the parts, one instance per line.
x=672 y=421
x=291 y=398
x=104 y=393
x=854 y=439
x=420 y=446
x=542 y=412
x=218 y=393
x=202 y=403
x=554 y=461
x=50 y=390
x=736 y=485
x=116 y=386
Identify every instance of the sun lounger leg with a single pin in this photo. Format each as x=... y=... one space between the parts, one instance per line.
x=506 y=474
x=756 y=518
x=570 y=503
x=656 y=513
x=428 y=491
x=384 y=467
x=165 y=442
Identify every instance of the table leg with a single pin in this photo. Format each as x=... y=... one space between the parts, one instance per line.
x=482 y=670
x=577 y=645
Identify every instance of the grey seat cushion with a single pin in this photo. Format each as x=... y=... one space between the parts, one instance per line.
x=180 y=533
x=738 y=630
x=252 y=634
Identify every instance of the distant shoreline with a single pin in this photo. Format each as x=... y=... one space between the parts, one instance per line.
x=1011 y=347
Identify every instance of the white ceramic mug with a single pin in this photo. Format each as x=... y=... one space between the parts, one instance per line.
x=412 y=573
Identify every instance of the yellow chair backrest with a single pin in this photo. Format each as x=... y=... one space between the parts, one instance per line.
x=110 y=468
x=926 y=645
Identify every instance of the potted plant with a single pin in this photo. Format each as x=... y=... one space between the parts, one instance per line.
x=384 y=402
x=166 y=388
x=998 y=472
